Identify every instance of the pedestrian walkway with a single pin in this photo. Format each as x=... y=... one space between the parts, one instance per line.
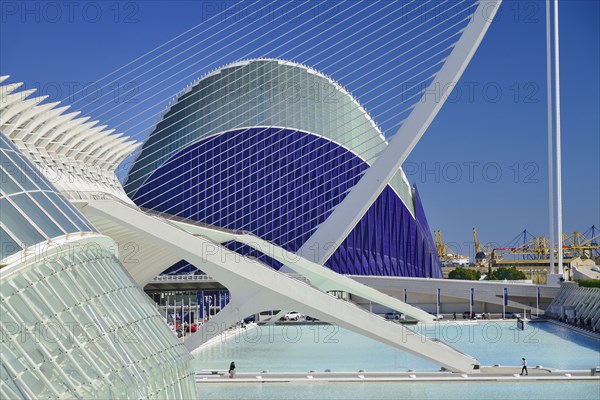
x=495 y=373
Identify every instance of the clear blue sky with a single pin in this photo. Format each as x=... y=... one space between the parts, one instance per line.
x=481 y=163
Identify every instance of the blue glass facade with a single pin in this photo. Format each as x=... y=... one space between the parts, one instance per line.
x=280 y=184
x=271 y=147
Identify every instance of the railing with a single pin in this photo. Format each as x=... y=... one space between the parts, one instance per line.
x=173 y=218
x=77 y=195
x=183 y=278
x=96 y=195
x=176 y=218
x=298 y=277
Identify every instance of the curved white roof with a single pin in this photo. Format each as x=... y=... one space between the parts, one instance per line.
x=253 y=93
x=80 y=153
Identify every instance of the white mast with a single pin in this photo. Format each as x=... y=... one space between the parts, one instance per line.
x=558 y=150
x=550 y=137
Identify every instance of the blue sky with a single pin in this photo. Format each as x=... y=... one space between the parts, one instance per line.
x=483 y=161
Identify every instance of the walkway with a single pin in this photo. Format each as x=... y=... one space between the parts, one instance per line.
x=509 y=373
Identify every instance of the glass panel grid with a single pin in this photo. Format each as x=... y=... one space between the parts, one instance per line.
x=112 y=330
x=31 y=209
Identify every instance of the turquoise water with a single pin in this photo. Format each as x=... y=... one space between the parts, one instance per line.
x=301 y=348
x=404 y=390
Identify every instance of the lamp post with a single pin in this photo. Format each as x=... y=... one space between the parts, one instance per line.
x=504 y=303
x=471 y=301
x=438 y=304
x=537 y=303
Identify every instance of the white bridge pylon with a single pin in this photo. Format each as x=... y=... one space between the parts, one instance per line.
x=254 y=286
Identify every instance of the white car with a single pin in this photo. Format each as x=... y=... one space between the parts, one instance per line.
x=293 y=316
x=437 y=317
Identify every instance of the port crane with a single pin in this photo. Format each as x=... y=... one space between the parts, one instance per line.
x=445 y=254
x=480 y=255
x=527 y=246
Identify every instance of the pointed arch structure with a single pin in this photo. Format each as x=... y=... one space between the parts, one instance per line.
x=329 y=235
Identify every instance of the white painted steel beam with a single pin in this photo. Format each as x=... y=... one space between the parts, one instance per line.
x=319 y=276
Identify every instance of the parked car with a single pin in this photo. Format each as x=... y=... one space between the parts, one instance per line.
x=249 y=319
x=396 y=316
x=293 y=316
x=472 y=315
x=512 y=315
x=437 y=317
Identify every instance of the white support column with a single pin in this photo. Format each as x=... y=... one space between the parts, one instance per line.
x=329 y=235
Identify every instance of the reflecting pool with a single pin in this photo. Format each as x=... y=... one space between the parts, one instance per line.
x=302 y=348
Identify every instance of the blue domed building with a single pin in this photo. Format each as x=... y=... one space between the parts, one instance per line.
x=272 y=147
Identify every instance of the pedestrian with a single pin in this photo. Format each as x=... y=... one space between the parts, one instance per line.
x=232 y=370
x=524 y=368
x=454 y=316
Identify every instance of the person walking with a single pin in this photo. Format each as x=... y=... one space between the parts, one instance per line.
x=524 y=366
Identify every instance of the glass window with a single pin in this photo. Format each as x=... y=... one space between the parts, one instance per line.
x=38 y=303
x=11 y=358
x=31 y=171
x=7 y=184
x=54 y=211
x=35 y=213
x=8 y=246
x=70 y=210
x=18 y=225
x=10 y=390
x=51 y=299
x=13 y=166
x=25 y=312
x=55 y=283
x=5 y=143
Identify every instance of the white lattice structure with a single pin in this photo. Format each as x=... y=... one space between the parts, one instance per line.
x=74 y=153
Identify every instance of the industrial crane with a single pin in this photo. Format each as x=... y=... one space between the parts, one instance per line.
x=446 y=255
x=480 y=256
x=538 y=247
x=440 y=247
